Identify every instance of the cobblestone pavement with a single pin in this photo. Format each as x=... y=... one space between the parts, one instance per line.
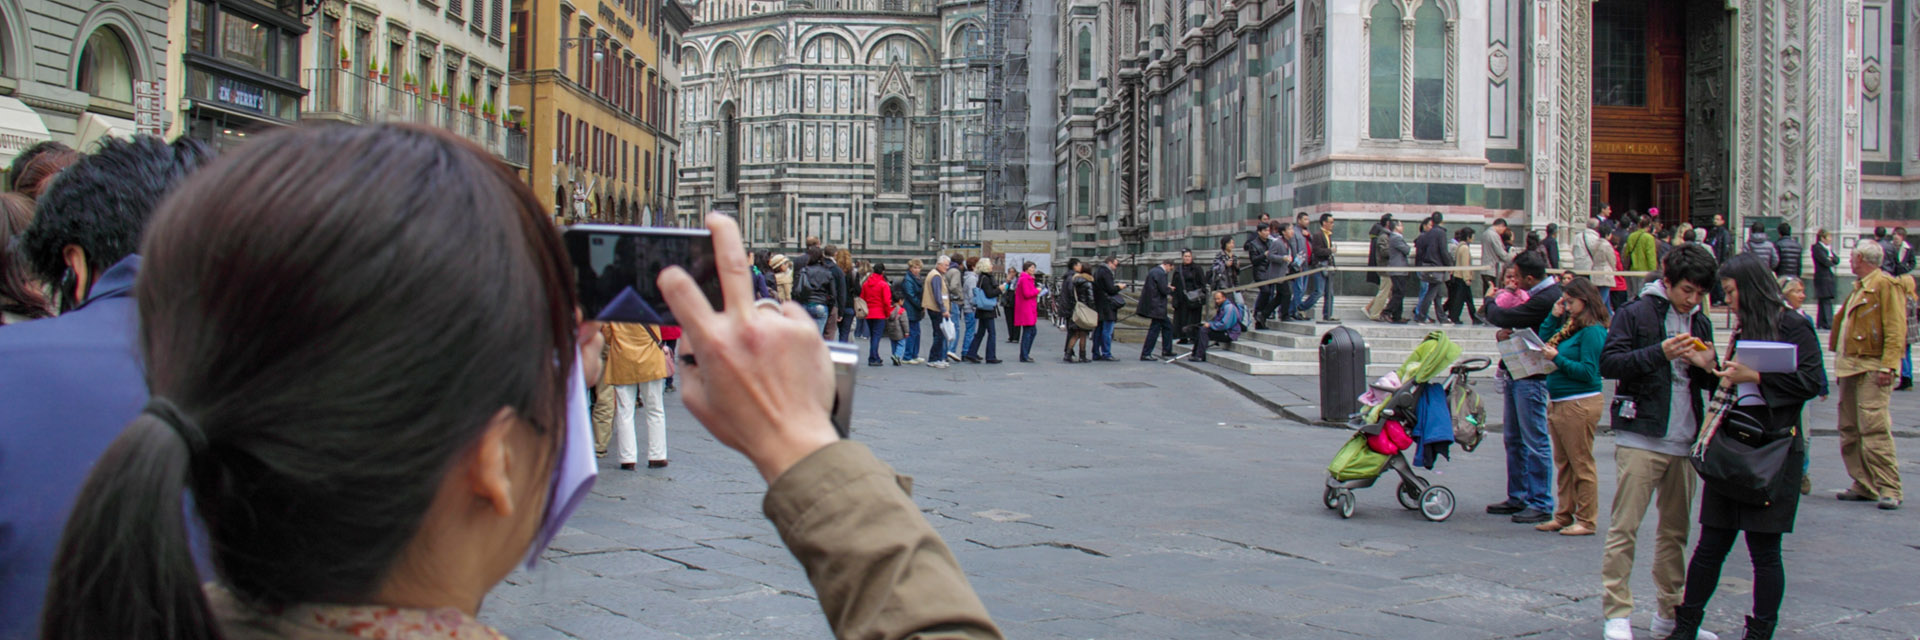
x=1138 y=500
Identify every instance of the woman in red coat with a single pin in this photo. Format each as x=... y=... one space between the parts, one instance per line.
x=879 y=296
x=1026 y=309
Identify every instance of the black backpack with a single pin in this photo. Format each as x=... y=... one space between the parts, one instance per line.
x=802 y=286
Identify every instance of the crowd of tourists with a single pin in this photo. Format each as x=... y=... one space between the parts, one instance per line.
x=336 y=409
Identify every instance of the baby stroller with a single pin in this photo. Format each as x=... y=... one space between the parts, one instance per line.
x=1397 y=410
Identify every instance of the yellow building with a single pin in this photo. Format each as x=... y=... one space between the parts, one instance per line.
x=585 y=76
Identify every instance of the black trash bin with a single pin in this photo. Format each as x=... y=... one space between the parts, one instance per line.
x=1343 y=373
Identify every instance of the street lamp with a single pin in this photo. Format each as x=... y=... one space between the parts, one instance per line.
x=599 y=46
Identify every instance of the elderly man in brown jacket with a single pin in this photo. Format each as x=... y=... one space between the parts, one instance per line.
x=1870 y=335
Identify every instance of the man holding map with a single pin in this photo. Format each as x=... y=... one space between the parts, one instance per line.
x=1529 y=453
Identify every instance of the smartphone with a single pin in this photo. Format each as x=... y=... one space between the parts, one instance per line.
x=846 y=361
x=617 y=269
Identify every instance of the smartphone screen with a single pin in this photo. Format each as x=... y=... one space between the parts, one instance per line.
x=618 y=268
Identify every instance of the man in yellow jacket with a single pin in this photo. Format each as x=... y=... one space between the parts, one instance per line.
x=637 y=370
x=1870 y=336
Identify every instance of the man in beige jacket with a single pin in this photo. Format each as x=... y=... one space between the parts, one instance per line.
x=636 y=371
x=1869 y=338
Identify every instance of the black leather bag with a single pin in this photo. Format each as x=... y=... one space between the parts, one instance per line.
x=1740 y=464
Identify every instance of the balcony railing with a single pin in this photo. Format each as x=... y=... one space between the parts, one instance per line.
x=353 y=96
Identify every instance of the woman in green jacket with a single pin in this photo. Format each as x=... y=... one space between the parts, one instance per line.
x=1576 y=329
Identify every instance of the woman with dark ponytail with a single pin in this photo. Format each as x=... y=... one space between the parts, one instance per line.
x=363 y=376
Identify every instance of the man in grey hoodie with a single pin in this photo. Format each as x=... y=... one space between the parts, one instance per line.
x=1656 y=413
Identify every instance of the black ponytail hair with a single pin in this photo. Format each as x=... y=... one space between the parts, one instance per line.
x=332 y=340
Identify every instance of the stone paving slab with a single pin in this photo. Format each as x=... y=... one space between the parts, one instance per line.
x=1181 y=510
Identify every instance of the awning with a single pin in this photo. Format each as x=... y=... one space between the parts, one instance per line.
x=20 y=127
x=94 y=126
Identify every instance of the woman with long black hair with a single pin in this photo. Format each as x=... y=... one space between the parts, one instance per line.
x=1773 y=402
x=1078 y=289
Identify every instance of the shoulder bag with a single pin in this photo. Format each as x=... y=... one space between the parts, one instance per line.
x=1725 y=456
x=1084 y=317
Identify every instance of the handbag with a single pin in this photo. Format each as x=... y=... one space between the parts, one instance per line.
x=980 y=299
x=1084 y=316
x=1734 y=468
x=946 y=328
x=1194 y=296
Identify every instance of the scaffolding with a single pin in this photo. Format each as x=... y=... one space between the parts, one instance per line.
x=1002 y=128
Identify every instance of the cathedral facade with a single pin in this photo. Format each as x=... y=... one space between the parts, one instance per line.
x=849 y=120
x=1183 y=121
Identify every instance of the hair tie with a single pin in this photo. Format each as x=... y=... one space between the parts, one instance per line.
x=174 y=418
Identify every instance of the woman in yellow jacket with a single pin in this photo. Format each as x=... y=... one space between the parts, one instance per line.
x=637 y=369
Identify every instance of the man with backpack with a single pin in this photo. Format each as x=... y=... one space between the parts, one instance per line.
x=908 y=292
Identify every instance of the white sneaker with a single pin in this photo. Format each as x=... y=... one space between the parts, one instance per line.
x=1663 y=627
x=1622 y=629
x=940 y=364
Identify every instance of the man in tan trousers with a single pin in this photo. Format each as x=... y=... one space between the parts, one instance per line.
x=1870 y=336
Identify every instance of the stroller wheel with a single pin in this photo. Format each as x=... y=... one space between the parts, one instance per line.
x=1331 y=498
x=1436 y=503
x=1409 y=495
x=1346 y=504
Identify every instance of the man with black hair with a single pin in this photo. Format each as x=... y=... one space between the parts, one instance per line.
x=1430 y=250
x=1280 y=261
x=1321 y=242
x=1900 y=261
x=1302 y=254
x=72 y=382
x=1259 y=248
x=1717 y=239
x=1642 y=252
x=1529 y=453
x=1551 y=243
x=1789 y=249
x=1663 y=376
x=1377 y=257
x=1495 y=253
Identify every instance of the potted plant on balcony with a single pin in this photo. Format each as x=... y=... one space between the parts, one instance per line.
x=344 y=62
x=516 y=123
x=466 y=103
x=433 y=93
x=487 y=111
x=385 y=74
x=410 y=83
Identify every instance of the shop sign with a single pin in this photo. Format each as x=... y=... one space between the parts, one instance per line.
x=241 y=94
x=149 y=98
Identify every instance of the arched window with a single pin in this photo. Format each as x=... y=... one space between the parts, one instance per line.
x=689 y=61
x=766 y=52
x=893 y=147
x=898 y=49
x=106 y=71
x=827 y=49
x=730 y=147
x=1383 y=93
x=1083 y=190
x=1084 y=44
x=1429 y=71
x=726 y=56
x=966 y=42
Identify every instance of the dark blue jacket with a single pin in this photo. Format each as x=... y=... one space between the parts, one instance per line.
x=68 y=385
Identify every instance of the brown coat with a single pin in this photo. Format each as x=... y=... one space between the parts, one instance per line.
x=877 y=566
x=633 y=356
x=1875 y=318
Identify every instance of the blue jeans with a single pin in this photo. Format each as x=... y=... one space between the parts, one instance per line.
x=1529 y=453
x=1300 y=287
x=1026 y=342
x=1316 y=287
x=909 y=348
x=981 y=330
x=966 y=334
x=939 y=350
x=1906 y=363
x=1103 y=340
x=875 y=327
x=1161 y=330
x=819 y=313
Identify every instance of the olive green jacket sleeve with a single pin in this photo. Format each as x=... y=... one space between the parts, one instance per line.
x=878 y=568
